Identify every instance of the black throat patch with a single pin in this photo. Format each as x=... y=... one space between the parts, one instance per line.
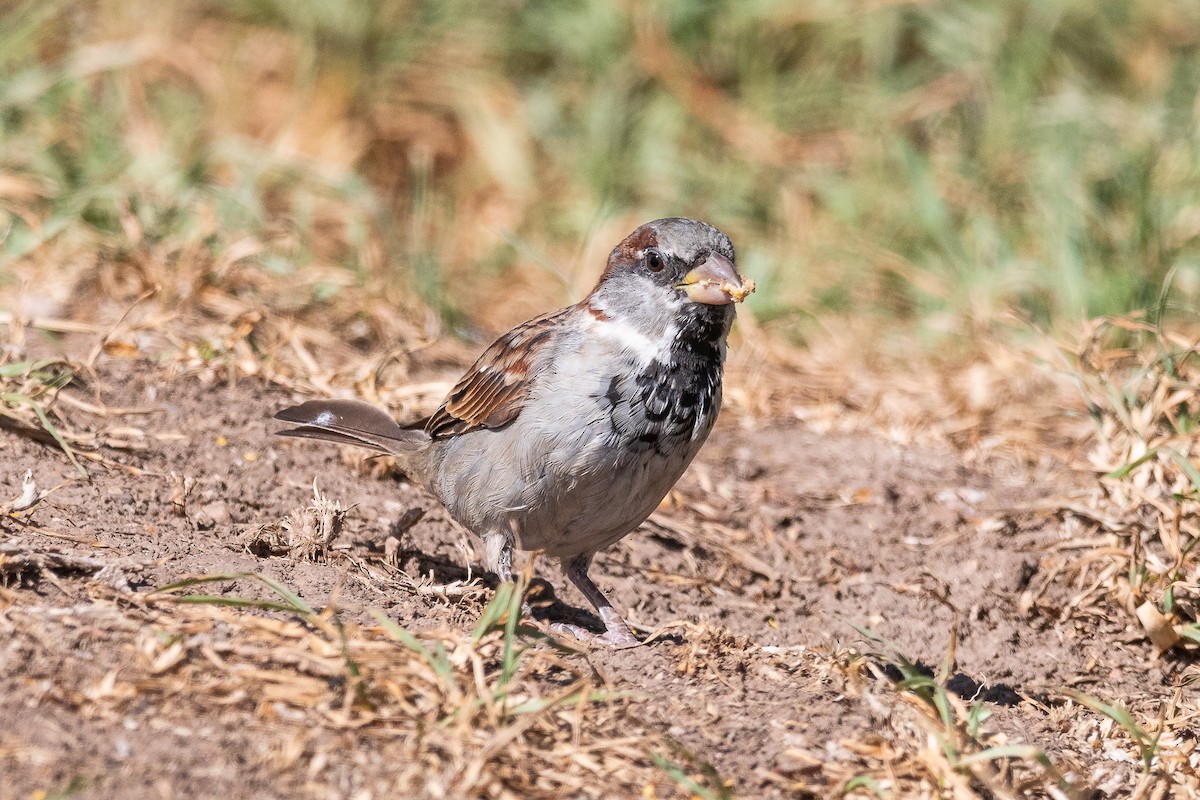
x=680 y=390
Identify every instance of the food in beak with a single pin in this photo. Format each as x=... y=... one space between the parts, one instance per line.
x=716 y=282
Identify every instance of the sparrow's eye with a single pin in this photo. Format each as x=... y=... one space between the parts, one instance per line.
x=654 y=261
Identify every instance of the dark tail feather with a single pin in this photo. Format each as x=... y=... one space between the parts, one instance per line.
x=351 y=422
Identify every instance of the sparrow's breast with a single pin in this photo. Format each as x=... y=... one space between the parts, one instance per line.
x=634 y=429
x=602 y=439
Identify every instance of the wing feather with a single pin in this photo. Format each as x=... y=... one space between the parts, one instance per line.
x=493 y=391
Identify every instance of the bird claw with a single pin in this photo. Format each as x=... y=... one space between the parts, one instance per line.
x=615 y=636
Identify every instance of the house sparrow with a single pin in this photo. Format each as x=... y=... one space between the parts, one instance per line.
x=571 y=428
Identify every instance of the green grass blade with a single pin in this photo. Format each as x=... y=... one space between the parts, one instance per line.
x=21 y=368
x=539 y=704
x=512 y=652
x=1187 y=466
x=864 y=782
x=232 y=602
x=292 y=601
x=1023 y=752
x=1124 y=470
x=978 y=715
x=53 y=431
x=1145 y=743
x=287 y=594
x=494 y=611
x=438 y=661
x=718 y=788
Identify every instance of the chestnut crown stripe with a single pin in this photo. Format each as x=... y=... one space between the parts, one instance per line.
x=631 y=248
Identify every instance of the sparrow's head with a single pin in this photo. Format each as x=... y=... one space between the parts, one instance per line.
x=672 y=268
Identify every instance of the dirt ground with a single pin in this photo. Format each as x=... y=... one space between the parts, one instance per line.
x=776 y=549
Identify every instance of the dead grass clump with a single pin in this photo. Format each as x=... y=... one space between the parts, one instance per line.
x=36 y=395
x=992 y=396
x=1142 y=386
x=1132 y=546
x=453 y=714
x=27 y=388
x=922 y=740
x=306 y=533
x=915 y=736
x=933 y=743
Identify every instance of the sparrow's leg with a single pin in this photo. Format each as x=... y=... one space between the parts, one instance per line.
x=617 y=631
x=498 y=551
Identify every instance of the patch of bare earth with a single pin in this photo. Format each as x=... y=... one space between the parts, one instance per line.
x=765 y=577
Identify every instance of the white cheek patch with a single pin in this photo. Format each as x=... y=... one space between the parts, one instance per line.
x=618 y=325
x=628 y=337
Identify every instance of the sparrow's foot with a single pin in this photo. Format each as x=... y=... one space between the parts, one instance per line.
x=616 y=630
x=616 y=636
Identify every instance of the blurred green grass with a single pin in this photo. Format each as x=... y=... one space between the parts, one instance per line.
x=936 y=164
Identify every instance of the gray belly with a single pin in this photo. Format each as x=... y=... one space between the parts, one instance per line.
x=566 y=489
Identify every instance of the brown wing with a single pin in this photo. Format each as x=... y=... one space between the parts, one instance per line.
x=494 y=389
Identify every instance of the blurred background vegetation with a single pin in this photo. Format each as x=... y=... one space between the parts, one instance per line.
x=928 y=166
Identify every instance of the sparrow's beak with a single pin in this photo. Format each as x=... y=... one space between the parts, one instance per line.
x=716 y=282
